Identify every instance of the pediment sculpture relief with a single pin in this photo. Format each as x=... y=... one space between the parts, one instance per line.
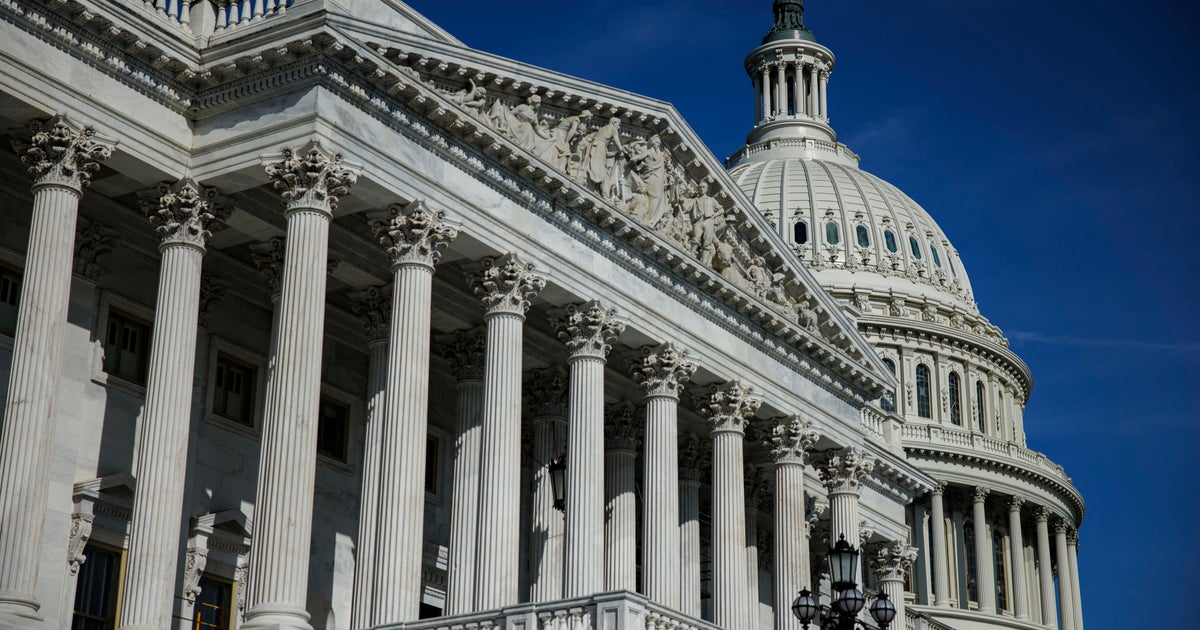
x=636 y=173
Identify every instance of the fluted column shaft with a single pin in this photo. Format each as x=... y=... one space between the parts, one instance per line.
x=585 y=485
x=752 y=562
x=1017 y=552
x=781 y=104
x=985 y=566
x=765 y=85
x=1046 y=578
x=1066 y=592
x=791 y=550
x=729 y=531
x=824 y=96
x=937 y=525
x=464 y=511
x=661 y=524
x=37 y=352
x=505 y=285
x=797 y=89
x=311 y=181
x=891 y=563
x=689 y=543
x=368 y=509
x=620 y=522
x=547 y=564
x=161 y=463
x=1077 y=600
x=813 y=110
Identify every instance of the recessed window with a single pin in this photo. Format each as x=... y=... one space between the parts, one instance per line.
x=431 y=464
x=10 y=297
x=831 y=233
x=332 y=428
x=979 y=410
x=233 y=391
x=214 y=605
x=888 y=402
x=96 y=590
x=127 y=347
x=998 y=556
x=972 y=564
x=915 y=247
x=937 y=261
x=889 y=239
x=955 y=399
x=950 y=262
x=923 y=407
x=863 y=239
x=800 y=232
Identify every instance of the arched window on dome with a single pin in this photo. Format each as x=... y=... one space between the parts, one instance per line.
x=937 y=260
x=924 y=409
x=863 y=239
x=888 y=401
x=980 y=403
x=955 y=399
x=800 y=232
x=832 y=236
x=915 y=247
x=889 y=239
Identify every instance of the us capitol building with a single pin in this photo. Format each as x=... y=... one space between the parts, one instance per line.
x=313 y=317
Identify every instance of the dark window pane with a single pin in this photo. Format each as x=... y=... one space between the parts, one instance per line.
x=431 y=465
x=890 y=239
x=955 y=399
x=10 y=297
x=213 y=608
x=831 y=233
x=233 y=392
x=923 y=407
x=96 y=590
x=915 y=247
x=888 y=402
x=972 y=565
x=863 y=239
x=800 y=232
x=998 y=555
x=979 y=406
x=937 y=261
x=331 y=429
x=127 y=347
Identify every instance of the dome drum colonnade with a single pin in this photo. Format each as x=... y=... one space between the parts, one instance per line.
x=310 y=182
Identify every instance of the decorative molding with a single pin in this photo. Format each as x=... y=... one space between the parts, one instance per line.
x=695 y=458
x=373 y=306
x=728 y=407
x=790 y=439
x=212 y=291
x=93 y=244
x=77 y=540
x=267 y=257
x=546 y=393
x=183 y=213
x=588 y=329
x=662 y=370
x=843 y=470
x=414 y=234
x=505 y=284
x=58 y=152
x=311 y=177
x=622 y=429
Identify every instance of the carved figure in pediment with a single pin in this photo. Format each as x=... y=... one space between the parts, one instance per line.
x=555 y=145
x=648 y=180
x=603 y=160
x=472 y=97
x=707 y=222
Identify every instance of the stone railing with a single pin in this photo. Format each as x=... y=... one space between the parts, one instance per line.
x=984 y=444
x=914 y=620
x=620 y=610
x=872 y=422
x=221 y=14
x=809 y=144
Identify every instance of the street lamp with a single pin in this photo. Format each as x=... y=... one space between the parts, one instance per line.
x=558 y=481
x=848 y=601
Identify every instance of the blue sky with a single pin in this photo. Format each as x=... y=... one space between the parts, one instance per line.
x=1054 y=142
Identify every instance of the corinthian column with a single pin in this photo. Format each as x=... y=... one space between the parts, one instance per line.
x=374 y=308
x=546 y=395
x=728 y=407
x=661 y=373
x=414 y=236
x=310 y=182
x=1066 y=593
x=985 y=567
x=937 y=526
x=755 y=489
x=60 y=156
x=1041 y=517
x=695 y=459
x=891 y=562
x=1073 y=560
x=588 y=330
x=182 y=213
x=465 y=351
x=842 y=473
x=790 y=440
x=505 y=285
x=621 y=442
x=1017 y=552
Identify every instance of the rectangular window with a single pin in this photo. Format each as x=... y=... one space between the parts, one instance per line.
x=214 y=605
x=431 y=465
x=234 y=390
x=96 y=590
x=10 y=297
x=332 y=429
x=127 y=347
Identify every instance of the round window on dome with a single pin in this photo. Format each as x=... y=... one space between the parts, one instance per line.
x=915 y=247
x=890 y=239
x=800 y=232
x=831 y=233
x=936 y=259
x=863 y=239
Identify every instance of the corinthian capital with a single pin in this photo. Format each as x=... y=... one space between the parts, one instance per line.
x=268 y=258
x=790 y=439
x=1061 y=525
x=546 y=393
x=182 y=213
x=621 y=428
x=414 y=234
x=662 y=370
x=57 y=151
x=312 y=177
x=465 y=350
x=695 y=457
x=587 y=329
x=980 y=494
x=892 y=560
x=728 y=407
x=373 y=306
x=843 y=470
x=505 y=284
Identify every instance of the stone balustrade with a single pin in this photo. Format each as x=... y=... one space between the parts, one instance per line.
x=225 y=14
x=984 y=443
x=618 y=610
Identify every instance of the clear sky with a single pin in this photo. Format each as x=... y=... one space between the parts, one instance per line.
x=1055 y=143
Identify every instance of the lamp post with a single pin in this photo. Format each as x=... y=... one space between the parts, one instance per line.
x=848 y=601
x=558 y=481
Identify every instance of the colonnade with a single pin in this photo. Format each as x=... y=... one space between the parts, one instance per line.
x=580 y=553
x=1067 y=614
x=794 y=88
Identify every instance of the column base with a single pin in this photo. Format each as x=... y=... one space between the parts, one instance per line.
x=17 y=612
x=276 y=618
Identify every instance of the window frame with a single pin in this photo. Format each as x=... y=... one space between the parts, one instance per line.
x=832 y=226
x=862 y=236
x=980 y=405
x=19 y=272
x=927 y=404
x=890 y=242
x=914 y=247
x=108 y=301
x=800 y=227
x=118 y=577
x=954 y=383
x=217 y=346
x=884 y=401
x=231 y=609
